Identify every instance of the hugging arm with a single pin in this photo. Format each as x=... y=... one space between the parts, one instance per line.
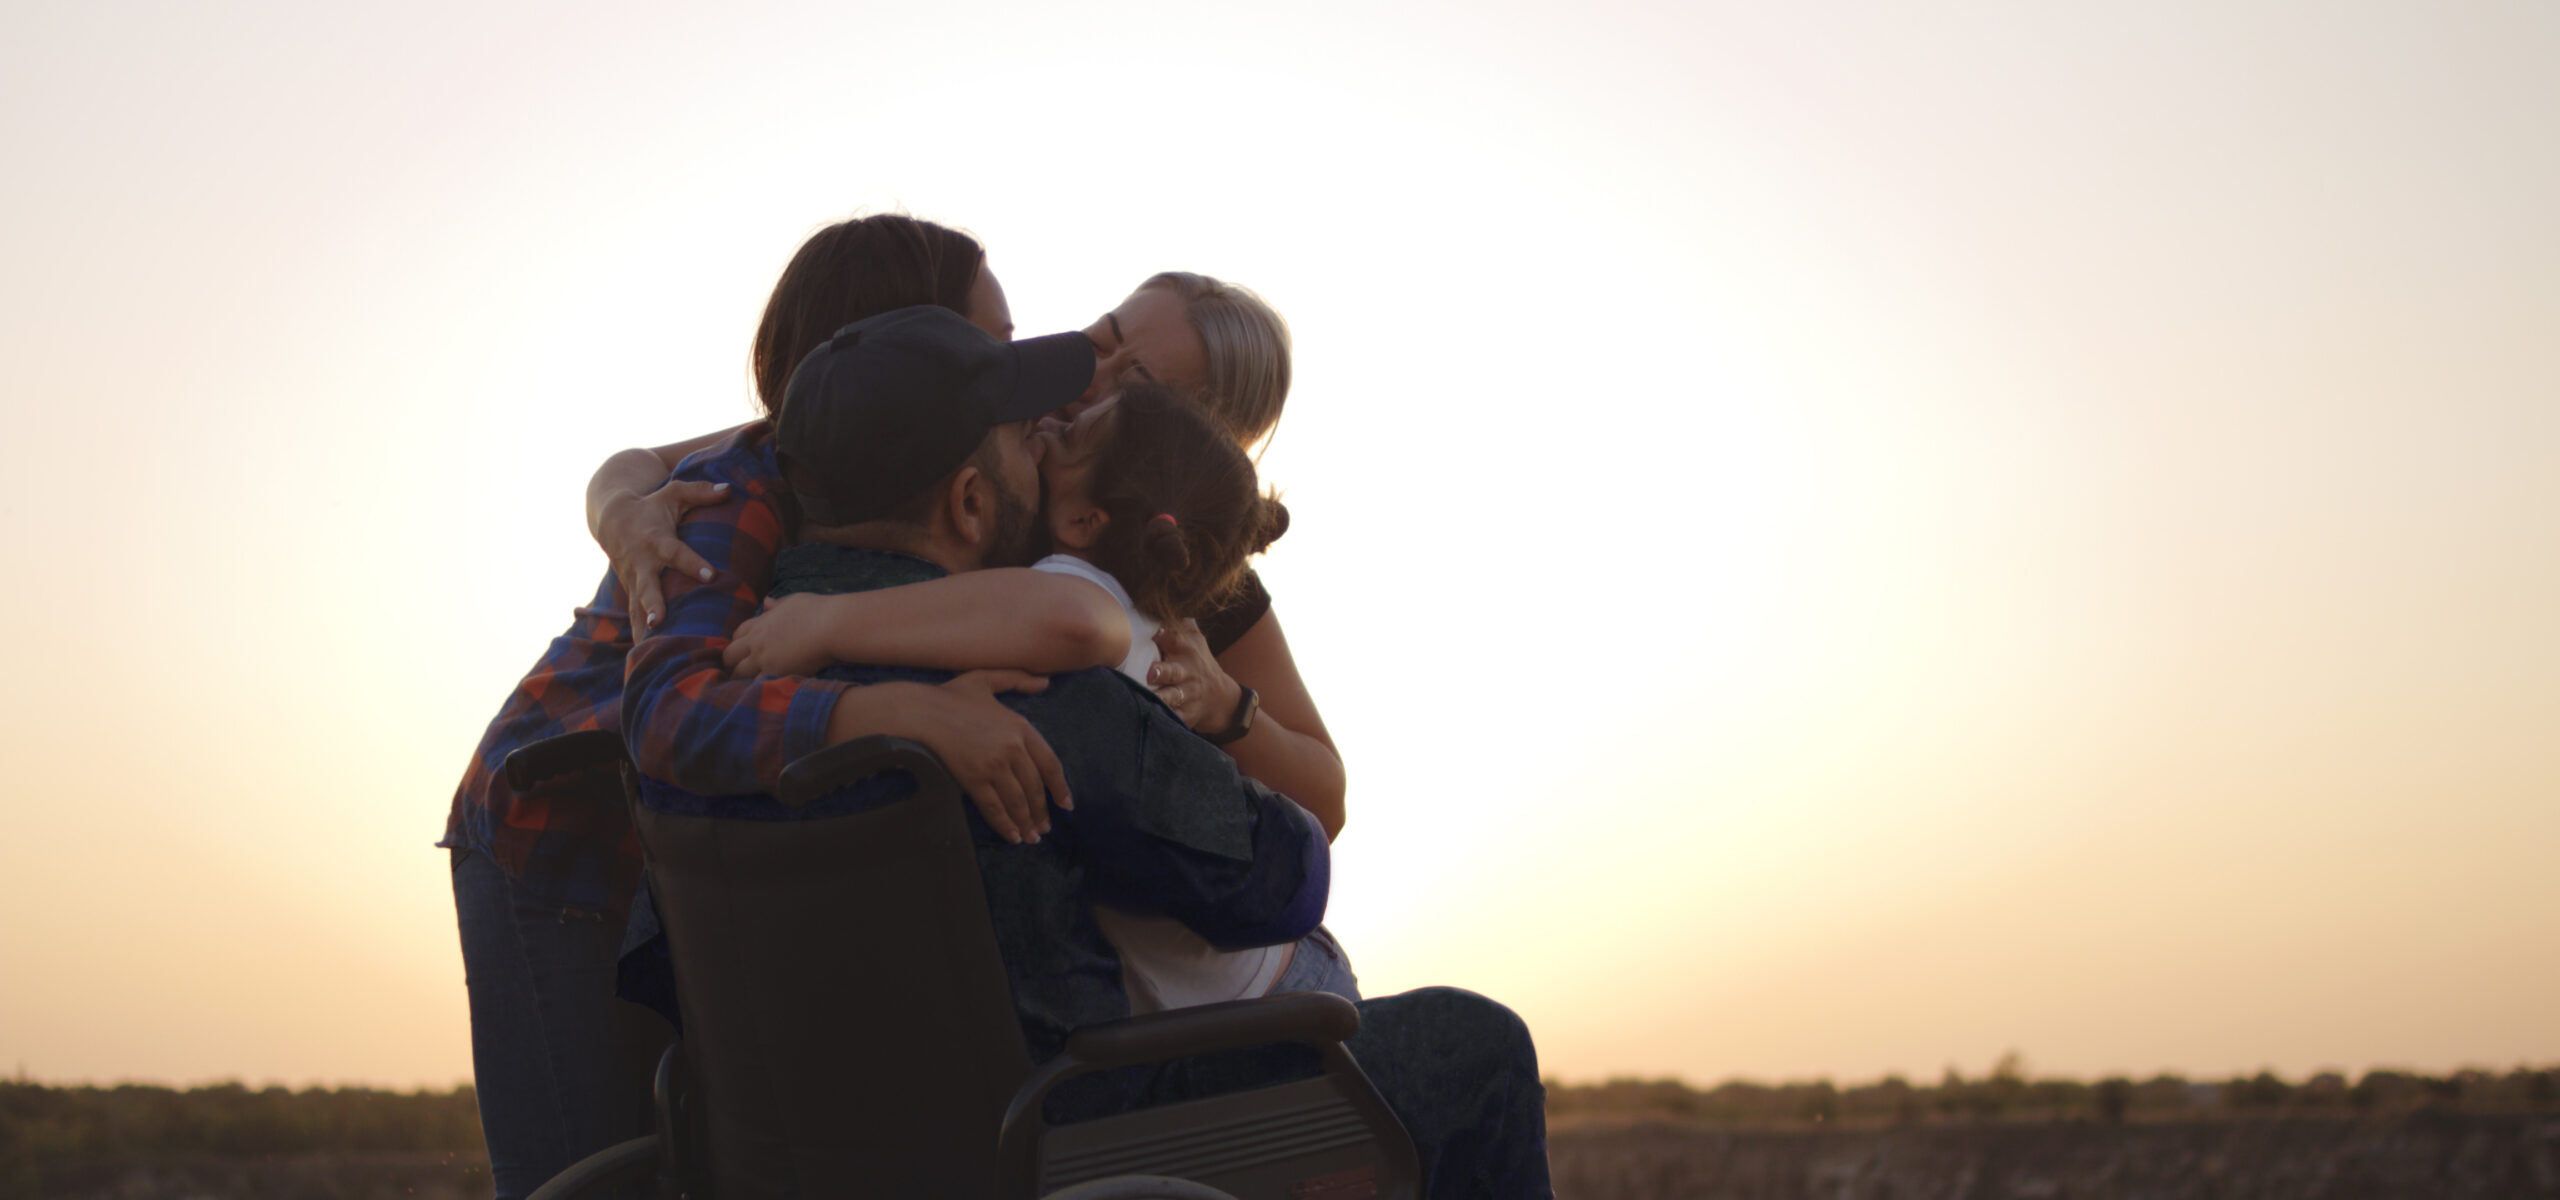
x=690 y=725
x=1009 y=617
x=1288 y=748
x=1278 y=896
x=1164 y=823
x=686 y=722
x=632 y=508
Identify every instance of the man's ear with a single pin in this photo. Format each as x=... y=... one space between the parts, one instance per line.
x=970 y=506
x=1078 y=526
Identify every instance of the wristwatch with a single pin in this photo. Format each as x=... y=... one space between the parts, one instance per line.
x=1247 y=704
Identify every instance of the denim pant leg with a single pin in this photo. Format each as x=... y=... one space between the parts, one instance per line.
x=562 y=1068
x=1461 y=1073
x=1319 y=965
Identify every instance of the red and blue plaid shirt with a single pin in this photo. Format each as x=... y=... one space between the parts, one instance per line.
x=687 y=722
x=570 y=842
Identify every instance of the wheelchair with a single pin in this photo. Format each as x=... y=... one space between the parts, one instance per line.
x=849 y=1032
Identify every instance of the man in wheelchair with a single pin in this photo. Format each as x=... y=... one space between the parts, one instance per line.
x=908 y=447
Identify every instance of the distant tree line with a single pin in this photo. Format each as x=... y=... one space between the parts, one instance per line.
x=2008 y=1093
x=41 y=1124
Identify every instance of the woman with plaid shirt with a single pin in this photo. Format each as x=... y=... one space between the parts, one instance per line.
x=542 y=880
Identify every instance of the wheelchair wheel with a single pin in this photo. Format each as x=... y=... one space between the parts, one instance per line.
x=1140 y=1187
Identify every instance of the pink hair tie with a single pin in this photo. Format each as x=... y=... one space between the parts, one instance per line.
x=1167 y=518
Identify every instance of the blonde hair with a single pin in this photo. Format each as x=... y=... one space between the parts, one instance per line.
x=1247 y=346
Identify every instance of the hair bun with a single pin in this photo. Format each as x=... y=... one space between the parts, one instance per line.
x=1164 y=544
x=1275 y=521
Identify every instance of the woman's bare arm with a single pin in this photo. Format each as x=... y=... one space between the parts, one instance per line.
x=632 y=512
x=1009 y=617
x=1288 y=748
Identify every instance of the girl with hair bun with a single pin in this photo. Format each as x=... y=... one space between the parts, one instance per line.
x=1152 y=503
x=1148 y=498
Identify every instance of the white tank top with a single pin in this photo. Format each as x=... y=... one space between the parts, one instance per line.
x=1162 y=963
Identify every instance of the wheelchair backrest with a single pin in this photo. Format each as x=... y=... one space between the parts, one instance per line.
x=843 y=996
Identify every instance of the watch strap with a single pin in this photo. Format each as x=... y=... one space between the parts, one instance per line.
x=1247 y=704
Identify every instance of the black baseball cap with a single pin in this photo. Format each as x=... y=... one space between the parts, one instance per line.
x=893 y=404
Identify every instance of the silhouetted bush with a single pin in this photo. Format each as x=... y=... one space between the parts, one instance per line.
x=2113 y=1096
x=1821 y=1103
x=2327 y=1089
x=2263 y=1091
x=2541 y=1089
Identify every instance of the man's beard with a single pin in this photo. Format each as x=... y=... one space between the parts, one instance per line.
x=1022 y=531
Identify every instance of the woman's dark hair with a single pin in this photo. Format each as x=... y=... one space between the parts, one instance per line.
x=855 y=269
x=1185 y=505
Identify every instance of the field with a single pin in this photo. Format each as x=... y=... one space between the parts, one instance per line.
x=2439 y=1156
x=2403 y=1157
x=2389 y=1136
x=316 y=1175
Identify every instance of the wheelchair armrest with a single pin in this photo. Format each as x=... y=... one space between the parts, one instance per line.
x=813 y=775
x=1311 y=1017
x=567 y=753
x=1320 y=1019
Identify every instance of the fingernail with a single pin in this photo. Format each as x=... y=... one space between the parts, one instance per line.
x=719 y=487
x=653 y=618
x=706 y=574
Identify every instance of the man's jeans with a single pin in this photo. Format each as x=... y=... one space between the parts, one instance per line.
x=563 y=1068
x=1461 y=1073
x=1319 y=965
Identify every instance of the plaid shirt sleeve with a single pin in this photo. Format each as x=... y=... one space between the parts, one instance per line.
x=688 y=723
x=567 y=842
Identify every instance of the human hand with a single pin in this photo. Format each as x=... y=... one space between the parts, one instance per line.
x=638 y=533
x=787 y=638
x=1190 y=681
x=1003 y=764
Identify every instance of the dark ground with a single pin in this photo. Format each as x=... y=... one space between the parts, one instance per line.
x=327 y=1175
x=2431 y=1155
x=2453 y=1156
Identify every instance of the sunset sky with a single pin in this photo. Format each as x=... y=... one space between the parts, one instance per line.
x=1834 y=538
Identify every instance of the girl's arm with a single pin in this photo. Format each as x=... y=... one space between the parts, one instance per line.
x=632 y=511
x=1287 y=748
x=1008 y=617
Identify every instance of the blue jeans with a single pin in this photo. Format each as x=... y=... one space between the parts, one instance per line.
x=563 y=1069
x=1461 y=1073
x=1319 y=965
